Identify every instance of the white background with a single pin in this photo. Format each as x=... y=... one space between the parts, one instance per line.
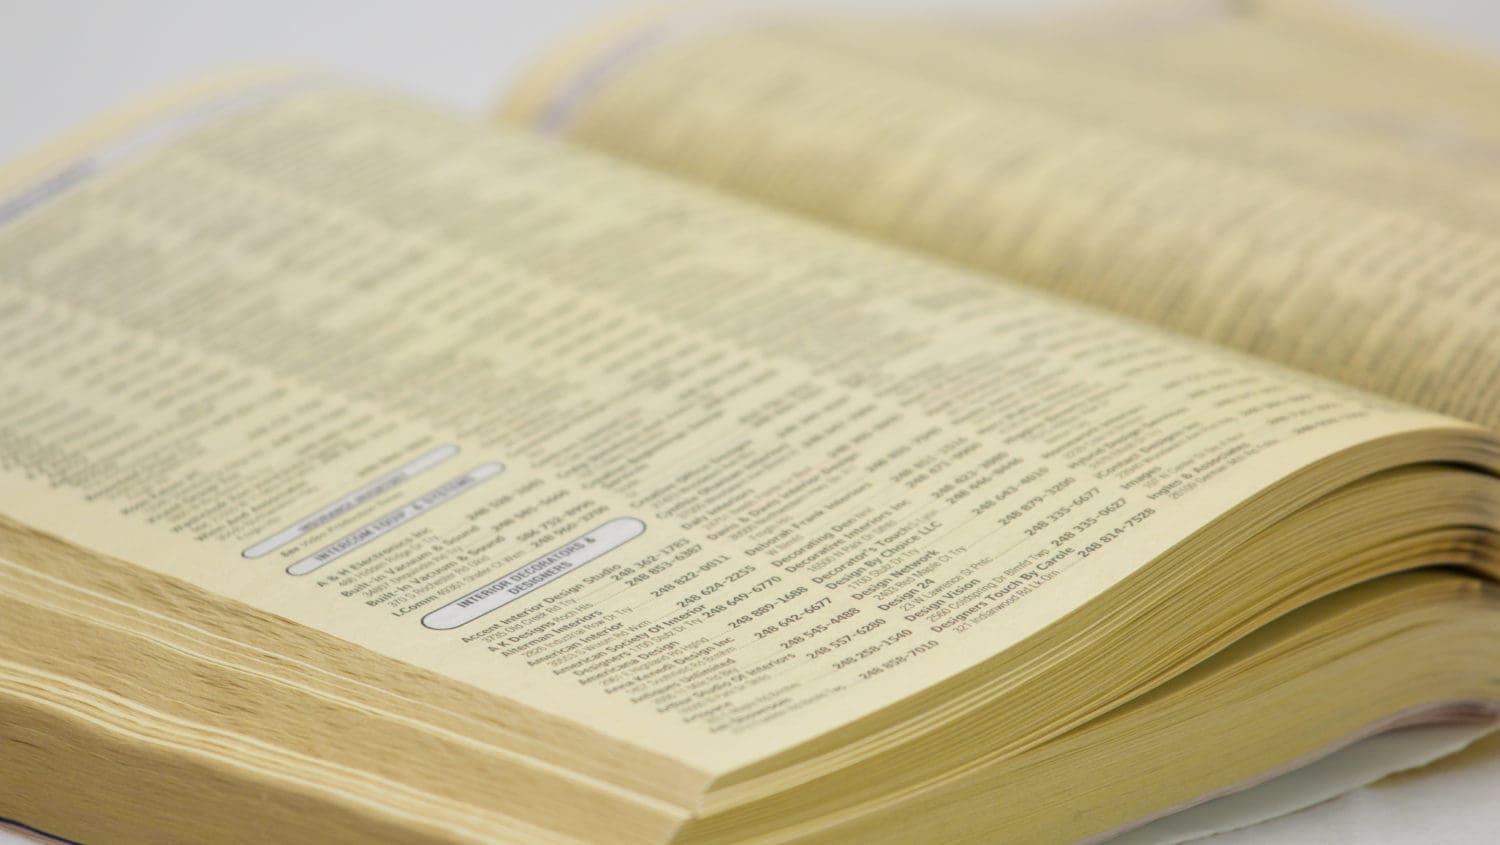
x=62 y=61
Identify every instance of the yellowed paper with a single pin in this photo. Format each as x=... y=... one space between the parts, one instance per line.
x=708 y=480
x=1273 y=177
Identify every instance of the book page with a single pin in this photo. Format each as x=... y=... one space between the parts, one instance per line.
x=1274 y=177
x=703 y=478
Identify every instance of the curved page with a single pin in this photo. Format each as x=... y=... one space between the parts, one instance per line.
x=702 y=478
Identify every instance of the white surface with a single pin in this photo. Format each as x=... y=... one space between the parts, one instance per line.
x=62 y=61
x=1338 y=774
x=1455 y=800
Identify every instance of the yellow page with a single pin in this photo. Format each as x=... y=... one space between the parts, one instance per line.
x=1273 y=177
x=700 y=477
